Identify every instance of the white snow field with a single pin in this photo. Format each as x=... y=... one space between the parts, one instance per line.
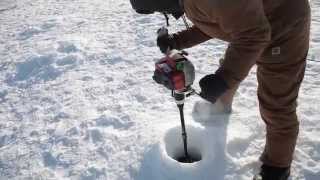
x=77 y=100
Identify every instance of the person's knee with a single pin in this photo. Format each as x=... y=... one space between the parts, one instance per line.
x=282 y=120
x=283 y=131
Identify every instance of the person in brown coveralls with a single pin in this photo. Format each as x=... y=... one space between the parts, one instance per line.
x=274 y=35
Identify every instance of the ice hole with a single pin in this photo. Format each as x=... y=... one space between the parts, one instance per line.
x=174 y=147
x=193 y=156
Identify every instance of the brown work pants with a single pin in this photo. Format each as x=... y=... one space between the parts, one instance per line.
x=280 y=73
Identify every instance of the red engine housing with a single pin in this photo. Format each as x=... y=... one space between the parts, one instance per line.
x=170 y=74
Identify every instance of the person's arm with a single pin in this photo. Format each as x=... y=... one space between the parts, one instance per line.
x=246 y=23
x=180 y=40
x=190 y=37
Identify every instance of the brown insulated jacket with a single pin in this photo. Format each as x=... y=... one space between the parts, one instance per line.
x=250 y=26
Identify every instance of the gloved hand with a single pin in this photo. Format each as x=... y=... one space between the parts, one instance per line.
x=212 y=87
x=165 y=41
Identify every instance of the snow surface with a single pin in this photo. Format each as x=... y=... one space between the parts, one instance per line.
x=77 y=100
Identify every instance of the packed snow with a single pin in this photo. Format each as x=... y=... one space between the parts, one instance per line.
x=77 y=100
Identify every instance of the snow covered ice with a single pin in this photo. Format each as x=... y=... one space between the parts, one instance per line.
x=77 y=100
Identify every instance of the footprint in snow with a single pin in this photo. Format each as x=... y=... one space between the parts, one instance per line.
x=7 y=139
x=49 y=160
x=33 y=70
x=122 y=122
x=67 y=62
x=3 y=95
x=238 y=146
x=93 y=173
x=61 y=116
x=29 y=32
x=87 y=78
x=41 y=68
x=65 y=159
x=94 y=135
x=35 y=66
x=67 y=47
x=33 y=30
x=48 y=25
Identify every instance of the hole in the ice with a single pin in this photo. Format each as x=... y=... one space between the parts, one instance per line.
x=193 y=156
x=175 y=149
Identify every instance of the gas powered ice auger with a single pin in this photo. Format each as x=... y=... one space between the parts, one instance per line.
x=177 y=73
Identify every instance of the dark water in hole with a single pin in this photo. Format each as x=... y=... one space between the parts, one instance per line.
x=190 y=159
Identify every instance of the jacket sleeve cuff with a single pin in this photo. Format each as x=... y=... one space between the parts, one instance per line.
x=228 y=77
x=190 y=37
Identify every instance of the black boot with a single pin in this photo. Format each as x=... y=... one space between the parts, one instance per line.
x=273 y=173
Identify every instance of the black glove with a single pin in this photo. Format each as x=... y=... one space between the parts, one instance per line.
x=212 y=87
x=166 y=41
